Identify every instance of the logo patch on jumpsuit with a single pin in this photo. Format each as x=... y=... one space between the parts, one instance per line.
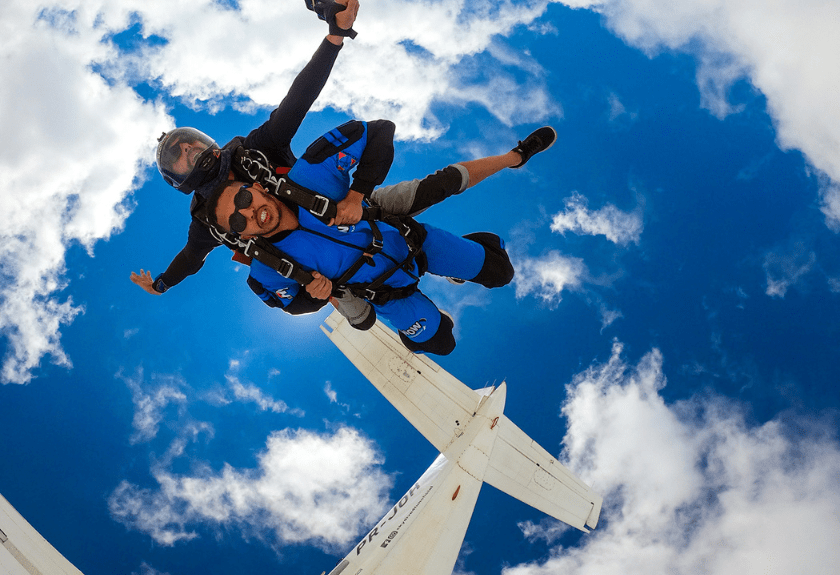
x=345 y=162
x=416 y=328
x=283 y=294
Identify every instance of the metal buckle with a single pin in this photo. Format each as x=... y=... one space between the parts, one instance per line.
x=325 y=203
x=248 y=249
x=377 y=244
x=285 y=268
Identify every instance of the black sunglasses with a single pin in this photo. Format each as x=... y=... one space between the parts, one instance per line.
x=242 y=199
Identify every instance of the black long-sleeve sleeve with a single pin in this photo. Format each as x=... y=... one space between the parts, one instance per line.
x=274 y=137
x=377 y=158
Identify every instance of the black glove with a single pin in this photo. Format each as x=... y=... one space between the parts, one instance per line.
x=326 y=10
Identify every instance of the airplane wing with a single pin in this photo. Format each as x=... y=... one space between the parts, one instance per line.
x=433 y=401
x=23 y=551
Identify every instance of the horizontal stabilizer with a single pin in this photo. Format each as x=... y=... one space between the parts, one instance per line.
x=524 y=470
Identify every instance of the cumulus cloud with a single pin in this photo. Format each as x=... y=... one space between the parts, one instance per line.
x=321 y=489
x=785 y=268
x=411 y=65
x=691 y=487
x=76 y=146
x=787 y=49
x=547 y=276
x=619 y=227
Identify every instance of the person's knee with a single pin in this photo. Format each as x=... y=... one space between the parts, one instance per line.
x=497 y=270
x=442 y=343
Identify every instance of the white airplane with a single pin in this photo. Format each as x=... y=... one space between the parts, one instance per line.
x=23 y=551
x=422 y=534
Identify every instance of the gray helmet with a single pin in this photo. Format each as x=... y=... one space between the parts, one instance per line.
x=186 y=157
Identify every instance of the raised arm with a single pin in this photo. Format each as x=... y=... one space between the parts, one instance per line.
x=274 y=137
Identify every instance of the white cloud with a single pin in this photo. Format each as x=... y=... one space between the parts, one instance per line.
x=691 y=487
x=786 y=267
x=619 y=227
x=618 y=111
x=608 y=316
x=830 y=204
x=253 y=394
x=788 y=49
x=547 y=276
x=331 y=393
x=75 y=146
x=146 y=569
x=410 y=65
x=315 y=488
x=150 y=402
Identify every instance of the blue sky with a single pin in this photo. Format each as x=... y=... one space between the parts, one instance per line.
x=671 y=332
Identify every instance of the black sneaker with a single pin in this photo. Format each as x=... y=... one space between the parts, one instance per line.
x=538 y=141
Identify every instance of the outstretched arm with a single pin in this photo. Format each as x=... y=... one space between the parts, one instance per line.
x=187 y=262
x=274 y=137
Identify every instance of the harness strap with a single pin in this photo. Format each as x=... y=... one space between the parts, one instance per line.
x=253 y=166
x=383 y=294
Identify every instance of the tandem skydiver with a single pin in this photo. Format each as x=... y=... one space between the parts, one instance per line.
x=189 y=160
x=379 y=259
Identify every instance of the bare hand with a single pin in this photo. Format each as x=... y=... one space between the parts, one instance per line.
x=145 y=281
x=347 y=17
x=320 y=287
x=348 y=210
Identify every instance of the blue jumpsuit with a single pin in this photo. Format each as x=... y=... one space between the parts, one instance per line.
x=333 y=250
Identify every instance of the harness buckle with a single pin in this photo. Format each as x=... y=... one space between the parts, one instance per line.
x=286 y=268
x=377 y=244
x=320 y=204
x=248 y=249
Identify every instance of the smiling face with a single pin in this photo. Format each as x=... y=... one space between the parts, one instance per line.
x=264 y=215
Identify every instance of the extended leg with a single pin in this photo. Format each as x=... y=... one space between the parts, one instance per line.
x=412 y=197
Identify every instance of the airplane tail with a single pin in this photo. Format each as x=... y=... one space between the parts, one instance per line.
x=466 y=425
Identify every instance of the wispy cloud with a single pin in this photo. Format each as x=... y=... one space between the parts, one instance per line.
x=617 y=226
x=151 y=401
x=785 y=268
x=253 y=394
x=322 y=489
x=691 y=487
